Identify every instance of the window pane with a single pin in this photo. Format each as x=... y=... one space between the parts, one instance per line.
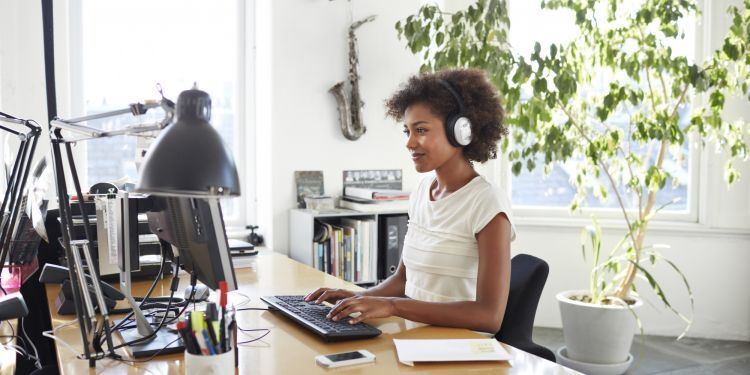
x=555 y=190
x=130 y=46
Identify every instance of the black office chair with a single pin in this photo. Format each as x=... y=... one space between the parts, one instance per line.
x=527 y=277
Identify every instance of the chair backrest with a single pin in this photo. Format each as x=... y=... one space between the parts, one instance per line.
x=527 y=278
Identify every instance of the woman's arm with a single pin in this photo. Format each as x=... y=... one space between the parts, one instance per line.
x=391 y=287
x=485 y=314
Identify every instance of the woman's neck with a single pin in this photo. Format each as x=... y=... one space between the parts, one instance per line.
x=453 y=175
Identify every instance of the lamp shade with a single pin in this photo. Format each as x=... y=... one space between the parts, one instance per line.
x=188 y=158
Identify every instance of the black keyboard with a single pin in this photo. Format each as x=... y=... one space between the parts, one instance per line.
x=313 y=317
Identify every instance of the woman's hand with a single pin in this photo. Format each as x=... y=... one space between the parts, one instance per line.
x=368 y=307
x=329 y=295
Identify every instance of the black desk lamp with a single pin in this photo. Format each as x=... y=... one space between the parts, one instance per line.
x=189 y=158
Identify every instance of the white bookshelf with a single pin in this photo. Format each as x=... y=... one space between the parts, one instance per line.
x=301 y=231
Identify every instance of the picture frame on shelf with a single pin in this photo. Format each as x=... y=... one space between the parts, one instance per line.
x=309 y=183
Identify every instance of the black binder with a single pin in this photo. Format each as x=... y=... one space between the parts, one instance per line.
x=391 y=233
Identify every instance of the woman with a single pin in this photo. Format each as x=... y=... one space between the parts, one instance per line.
x=455 y=265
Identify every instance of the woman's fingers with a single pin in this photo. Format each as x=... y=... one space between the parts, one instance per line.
x=315 y=294
x=340 y=305
x=325 y=296
x=345 y=310
x=362 y=316
x=332 y=295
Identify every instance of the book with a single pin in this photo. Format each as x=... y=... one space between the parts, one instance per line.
x=375 y=206
x=375 y=194
x=373 y=178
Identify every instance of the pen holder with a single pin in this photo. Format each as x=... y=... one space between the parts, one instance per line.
x=210 y=364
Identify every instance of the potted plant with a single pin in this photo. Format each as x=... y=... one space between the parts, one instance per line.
x=571 y=117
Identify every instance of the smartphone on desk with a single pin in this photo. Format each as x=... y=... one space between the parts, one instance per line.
x=345 y=359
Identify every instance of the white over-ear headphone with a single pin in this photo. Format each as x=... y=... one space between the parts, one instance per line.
x=457 y=125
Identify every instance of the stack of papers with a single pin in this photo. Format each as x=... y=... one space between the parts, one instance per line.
x=410 y=351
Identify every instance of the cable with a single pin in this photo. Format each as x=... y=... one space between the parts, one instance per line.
x=254 y=308
x=152 y=334
x=51 y=334
x=159 y=275
x=268 y=330
x=160 y=324
x=36 y=353
x=172 y=289
x=243 y=303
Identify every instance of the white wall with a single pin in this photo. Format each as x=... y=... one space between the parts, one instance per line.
x=22 y=87
x=22 y=79
x=307 y=46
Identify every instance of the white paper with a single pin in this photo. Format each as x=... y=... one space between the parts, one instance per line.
x=450 y=350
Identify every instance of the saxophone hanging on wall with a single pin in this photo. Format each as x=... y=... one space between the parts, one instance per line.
x=350 y=109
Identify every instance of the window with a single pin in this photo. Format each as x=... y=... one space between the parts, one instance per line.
x=537 y=191
x=126 y=48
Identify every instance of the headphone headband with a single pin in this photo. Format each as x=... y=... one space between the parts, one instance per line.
x=454 y=93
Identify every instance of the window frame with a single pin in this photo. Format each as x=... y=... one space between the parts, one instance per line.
x=244 y=126
x=552 y=214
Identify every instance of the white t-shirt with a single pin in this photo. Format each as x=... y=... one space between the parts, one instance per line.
x=440 y=249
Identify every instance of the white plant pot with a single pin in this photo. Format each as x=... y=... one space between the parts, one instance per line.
x=599 y=334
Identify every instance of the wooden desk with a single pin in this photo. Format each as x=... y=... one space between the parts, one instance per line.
x=288 y=348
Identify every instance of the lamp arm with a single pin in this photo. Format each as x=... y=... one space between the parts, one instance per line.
x=9 y=130
x=136 y=109
x=4 y=117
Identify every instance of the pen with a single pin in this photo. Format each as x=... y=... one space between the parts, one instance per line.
x=212 y=334
x=197 y=320
x=181 y=330
x=212 y=323
x=233 y=341
x=222 y=325
x=211 y=350
x=201 y=343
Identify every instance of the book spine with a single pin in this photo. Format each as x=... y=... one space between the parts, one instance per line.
x=315 y=255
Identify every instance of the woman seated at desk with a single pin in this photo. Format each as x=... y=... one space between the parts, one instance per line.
x=455 y=266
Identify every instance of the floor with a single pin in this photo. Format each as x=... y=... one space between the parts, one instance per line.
x=664 y=355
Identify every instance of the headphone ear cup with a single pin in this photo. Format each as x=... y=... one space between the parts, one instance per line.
x=450 y=124
x=462 y=131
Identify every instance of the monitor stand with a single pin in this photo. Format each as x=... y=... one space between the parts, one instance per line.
x=164 y=342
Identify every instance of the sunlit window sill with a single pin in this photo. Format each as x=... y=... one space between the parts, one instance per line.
x=682 y=228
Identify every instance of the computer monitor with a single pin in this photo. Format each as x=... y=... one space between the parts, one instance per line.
x=195 y=227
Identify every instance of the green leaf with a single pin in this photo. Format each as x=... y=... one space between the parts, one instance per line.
x=516 y=169
x=730 y=49
x=530 y=164
x=540 y=86
x=717 y=100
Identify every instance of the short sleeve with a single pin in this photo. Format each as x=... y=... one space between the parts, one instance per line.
x=490 y=202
